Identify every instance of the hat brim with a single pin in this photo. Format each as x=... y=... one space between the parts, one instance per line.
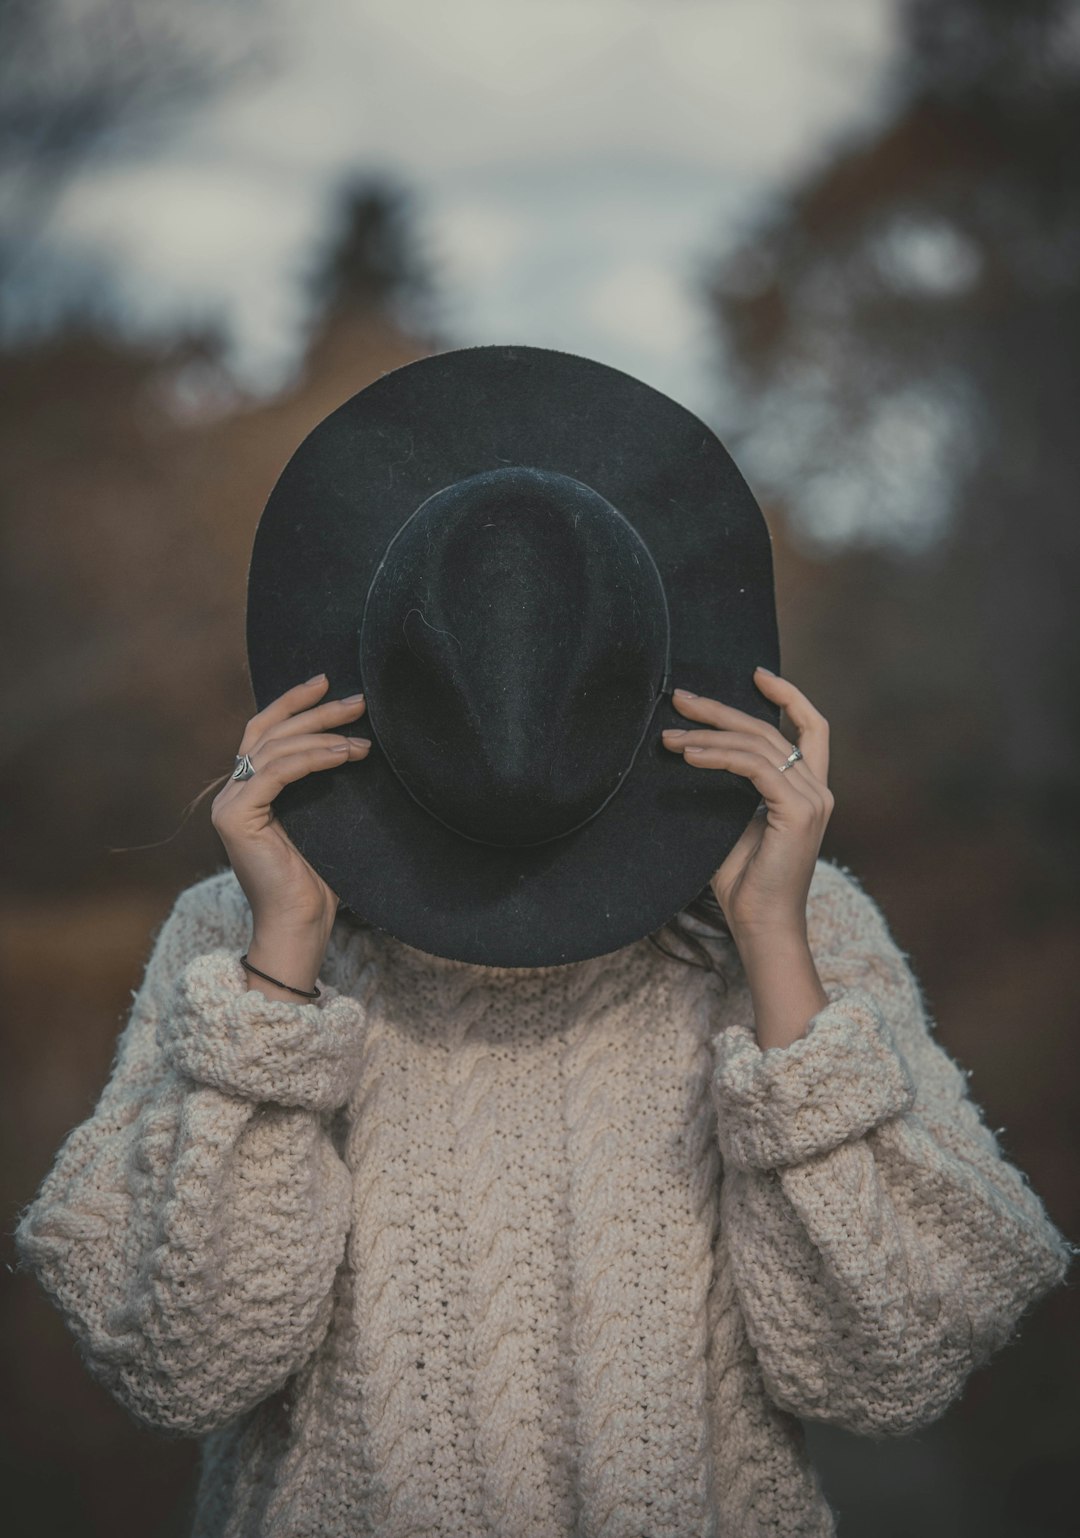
x=351 y=483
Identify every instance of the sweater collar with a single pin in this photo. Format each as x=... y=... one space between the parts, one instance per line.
x=409 y=960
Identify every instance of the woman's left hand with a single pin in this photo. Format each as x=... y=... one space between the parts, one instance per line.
x=763 y=885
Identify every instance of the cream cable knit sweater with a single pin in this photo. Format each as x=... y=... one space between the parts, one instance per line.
x=458 y=1250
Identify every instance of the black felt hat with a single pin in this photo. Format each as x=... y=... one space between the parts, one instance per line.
x=516 y=553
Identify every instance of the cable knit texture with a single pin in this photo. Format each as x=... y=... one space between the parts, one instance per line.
x=530 y=1253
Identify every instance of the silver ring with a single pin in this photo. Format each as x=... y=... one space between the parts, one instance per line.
x=244 y=767
x=793 y=757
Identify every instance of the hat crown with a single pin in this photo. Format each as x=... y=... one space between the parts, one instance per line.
x=514 y=644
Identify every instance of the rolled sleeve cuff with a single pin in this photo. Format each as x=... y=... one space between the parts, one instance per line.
x=222 y=1033
x=838 y=1081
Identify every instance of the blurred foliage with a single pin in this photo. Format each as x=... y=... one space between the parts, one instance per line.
x=902 y=343
x=131 y=479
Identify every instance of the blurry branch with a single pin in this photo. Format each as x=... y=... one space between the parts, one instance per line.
x=81 y=79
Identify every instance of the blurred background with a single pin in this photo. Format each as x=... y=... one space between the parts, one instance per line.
x=846 y=234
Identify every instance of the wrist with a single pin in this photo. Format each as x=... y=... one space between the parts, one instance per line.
x=294 y=957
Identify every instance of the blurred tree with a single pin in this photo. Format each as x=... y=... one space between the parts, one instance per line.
x=127 y=517
x=371 y=260
x=81 y=79
x=901 y=336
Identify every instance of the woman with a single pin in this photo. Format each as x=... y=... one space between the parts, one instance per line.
x=442 y=1245
x=365 y=1344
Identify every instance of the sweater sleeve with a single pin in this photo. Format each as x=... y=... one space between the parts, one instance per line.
x=189 y=1231
x=882 y=1246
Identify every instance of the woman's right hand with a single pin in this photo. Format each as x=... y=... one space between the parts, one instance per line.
x=284 y=742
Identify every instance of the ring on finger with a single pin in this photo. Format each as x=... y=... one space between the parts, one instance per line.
x=793 y=757
x=244 y=767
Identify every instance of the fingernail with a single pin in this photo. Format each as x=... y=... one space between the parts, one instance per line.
x=686 y=695
x=352 y=699
x=674 y=731
x=315 y=680
x=770 y=672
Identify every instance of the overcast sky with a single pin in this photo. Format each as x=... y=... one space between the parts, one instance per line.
x=570 y=164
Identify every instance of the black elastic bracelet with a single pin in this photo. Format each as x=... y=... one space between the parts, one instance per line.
x=314 y=994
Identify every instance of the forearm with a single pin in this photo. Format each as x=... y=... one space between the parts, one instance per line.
x=191 y=1228
x=193 y=1251
x=784 y=984
x=868 y=1300
x=881 y=1244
